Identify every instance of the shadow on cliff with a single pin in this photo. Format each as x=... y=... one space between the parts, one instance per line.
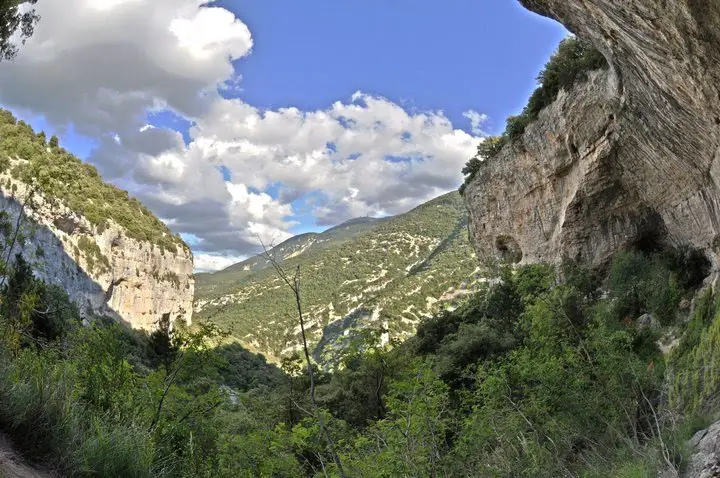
x=445 y=244
x=329 y=349
x=52 y=263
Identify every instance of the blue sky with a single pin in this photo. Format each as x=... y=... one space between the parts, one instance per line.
x=336 y=109
x=427 y=55
x=450 y=55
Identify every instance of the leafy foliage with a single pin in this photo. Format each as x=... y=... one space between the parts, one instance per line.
x=33 y=312
x=97 y=261
x=539 y=374
x=694 y=363
x=656 y=284
x=13 y=23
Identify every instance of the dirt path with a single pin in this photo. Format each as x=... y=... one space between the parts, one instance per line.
x=12 y=466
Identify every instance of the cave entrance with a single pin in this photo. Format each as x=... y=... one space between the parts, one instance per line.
x=508 y=249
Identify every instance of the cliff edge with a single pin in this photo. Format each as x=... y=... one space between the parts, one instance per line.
x=111 y=254
x=627 y=158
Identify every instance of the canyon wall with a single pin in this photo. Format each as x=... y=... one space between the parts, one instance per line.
x=630 y=157
x=103 y=271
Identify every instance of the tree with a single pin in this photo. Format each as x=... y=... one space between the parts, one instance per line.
x=163 y=343
x=294 y=284
x=15 y=21
x=188 y=353
x=356 y=391
x=412 y=439
x=19 y=298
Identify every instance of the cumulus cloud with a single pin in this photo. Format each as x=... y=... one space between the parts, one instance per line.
x=105 y=67
x=477 y=120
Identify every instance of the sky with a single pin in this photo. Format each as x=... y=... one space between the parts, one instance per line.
x=236 y=121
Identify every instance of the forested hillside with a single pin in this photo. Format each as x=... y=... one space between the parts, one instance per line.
x=388 y=273
x=228 y=279
x=548 y=372
x=43 y=164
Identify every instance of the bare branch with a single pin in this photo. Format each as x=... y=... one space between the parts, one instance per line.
x=294 y=285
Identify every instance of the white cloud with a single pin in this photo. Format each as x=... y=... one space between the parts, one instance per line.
x=212 y=32
x=104 y=67
x=212 y=263
x=477 y=120
x=341 y=149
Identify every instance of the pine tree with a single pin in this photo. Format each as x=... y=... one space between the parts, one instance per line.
x=13 y=21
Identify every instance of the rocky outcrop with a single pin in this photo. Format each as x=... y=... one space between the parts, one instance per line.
x=103 y=271
x=705 y=448
x=629 y=157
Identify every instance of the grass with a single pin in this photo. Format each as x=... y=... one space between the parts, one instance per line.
x=42 y=412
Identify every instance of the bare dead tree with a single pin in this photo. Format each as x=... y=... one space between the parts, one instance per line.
x=293 y=282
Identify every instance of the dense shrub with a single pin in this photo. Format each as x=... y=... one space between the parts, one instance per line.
x=96 y=260
x=33 y=313
x=538 y=375
x=695 y=362
x=654 y=283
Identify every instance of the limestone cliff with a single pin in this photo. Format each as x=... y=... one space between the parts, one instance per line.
x=103 y=270
x=630 y=156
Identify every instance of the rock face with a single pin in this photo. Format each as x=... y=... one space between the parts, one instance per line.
x=647 y=321
x=630 y=157
x=705 y=459
x=104 y=272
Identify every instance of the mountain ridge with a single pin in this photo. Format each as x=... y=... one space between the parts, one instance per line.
x=387 y=273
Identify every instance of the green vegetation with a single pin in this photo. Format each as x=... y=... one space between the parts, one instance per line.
x=16 y=25
x=96 y=260
x=543 y=373
x=171 y=277
x=50 y=170
x=106 y=401
x=571 y=64
x=694 y=363
x=393 y=266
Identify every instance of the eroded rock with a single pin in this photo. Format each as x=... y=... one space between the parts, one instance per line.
x=630 y=157
x=648 y=321
x=705 y=459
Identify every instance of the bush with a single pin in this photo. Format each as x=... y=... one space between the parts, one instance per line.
x=695 y=362
x=643 y=283
x=537 y=375
x=41 y=410
x=32 y=312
